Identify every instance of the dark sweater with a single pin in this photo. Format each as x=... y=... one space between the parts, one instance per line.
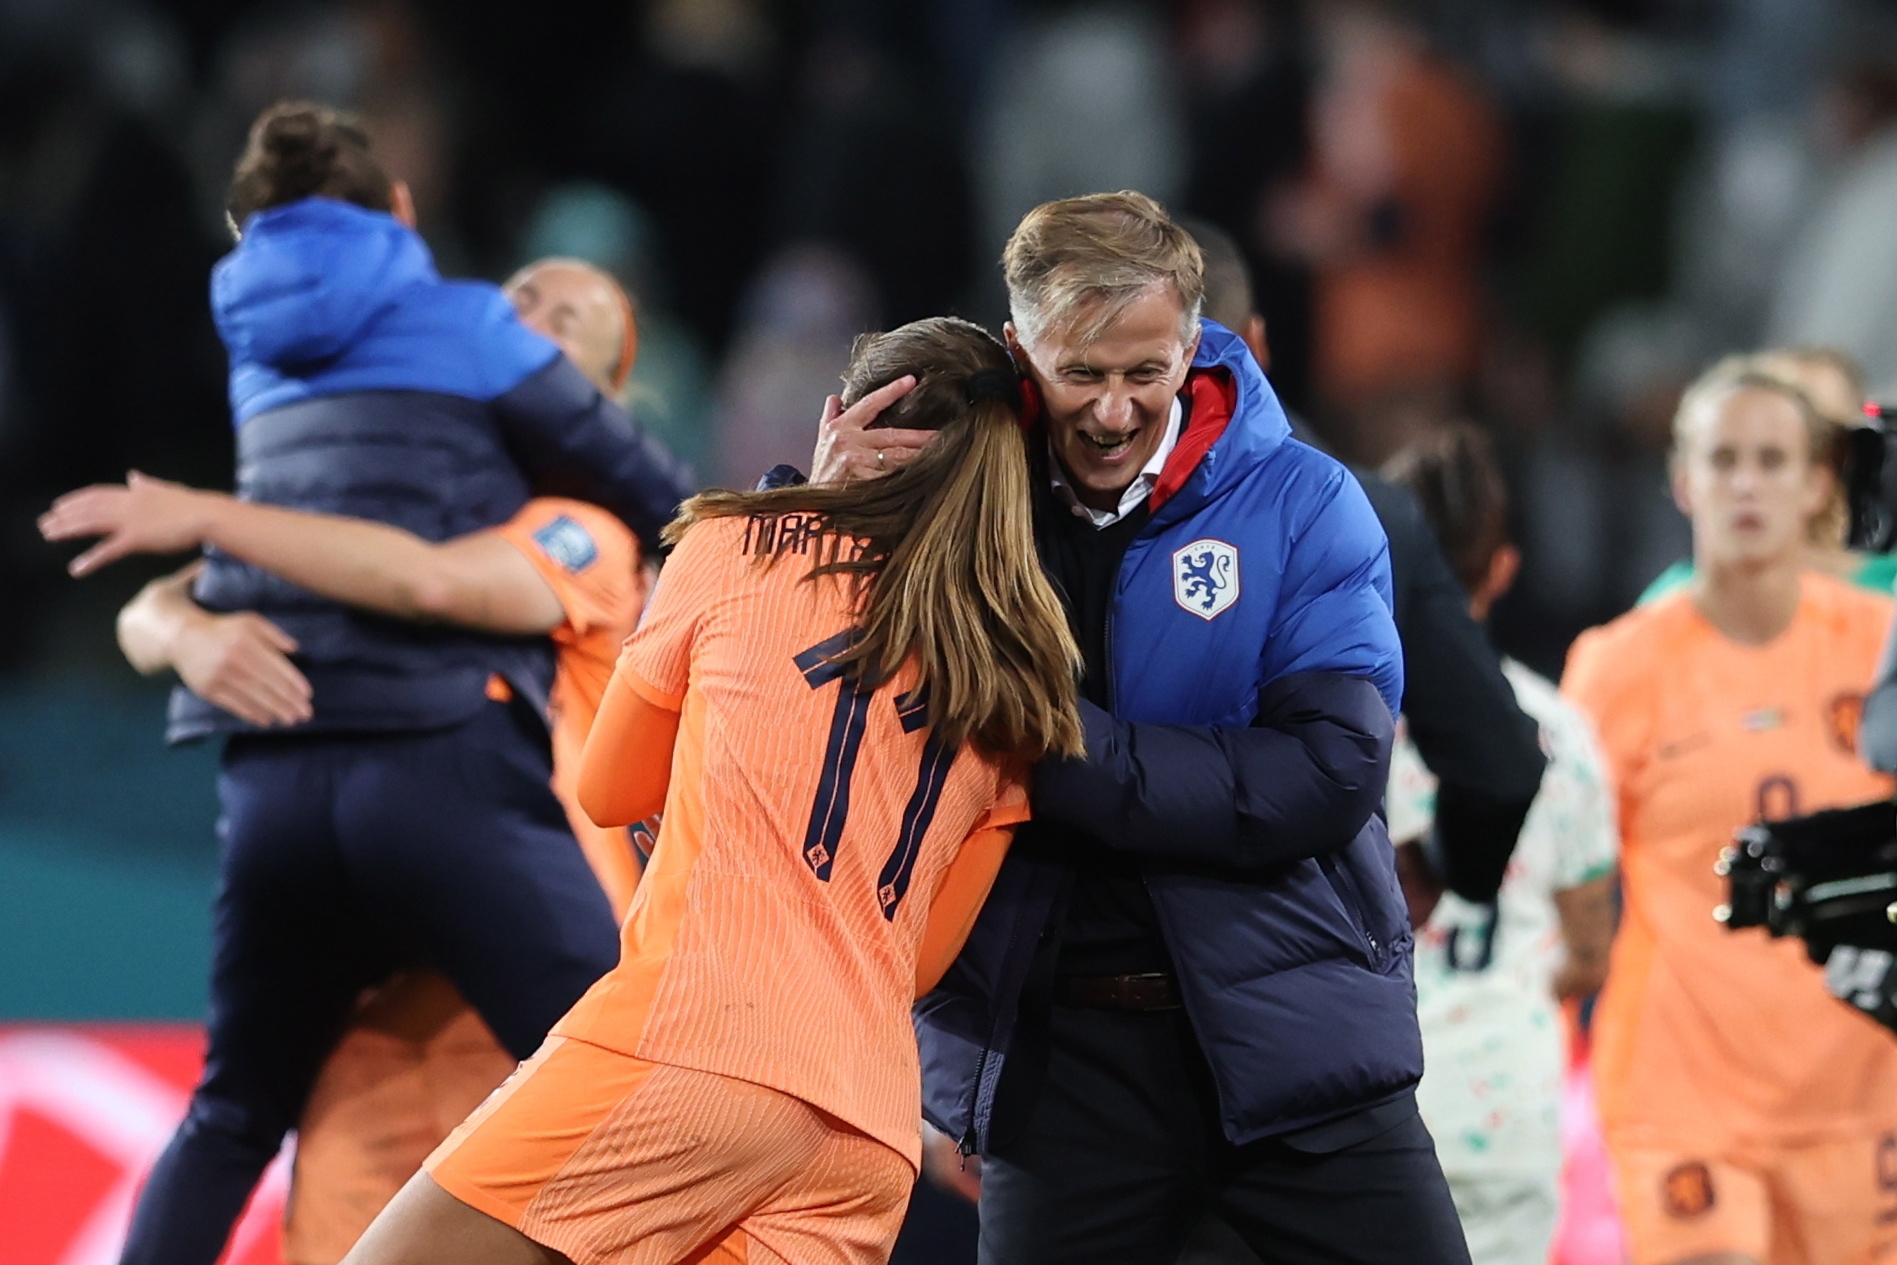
x=1109 y=927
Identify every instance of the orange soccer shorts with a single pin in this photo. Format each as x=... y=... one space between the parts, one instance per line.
x=414 y=1061
x=1829 y=1202
x=609 y=1158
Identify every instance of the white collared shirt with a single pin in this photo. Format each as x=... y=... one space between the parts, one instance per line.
x=1136 y=491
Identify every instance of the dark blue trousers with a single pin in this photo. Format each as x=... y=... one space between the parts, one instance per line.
x=1121 y=1154
x=344 y=858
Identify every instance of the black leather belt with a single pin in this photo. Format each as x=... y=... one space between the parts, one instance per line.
x=1152 y=991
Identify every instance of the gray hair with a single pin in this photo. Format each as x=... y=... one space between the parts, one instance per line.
x=1080 y=262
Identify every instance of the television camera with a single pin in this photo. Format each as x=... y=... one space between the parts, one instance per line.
x=1829 y=878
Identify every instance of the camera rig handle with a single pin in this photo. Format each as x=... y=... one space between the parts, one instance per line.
x=1830 y=879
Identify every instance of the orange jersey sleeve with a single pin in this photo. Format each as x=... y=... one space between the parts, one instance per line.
x=628 y=762
x=656 y=661
x=1606 y=677
x=589 y=558
x=965 y=886
x=592 y=562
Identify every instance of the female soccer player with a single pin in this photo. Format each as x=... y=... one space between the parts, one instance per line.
x=408 y=812
x=1834 y=384
x=850 y=681
x=1750 y=1117
x=415 y=1057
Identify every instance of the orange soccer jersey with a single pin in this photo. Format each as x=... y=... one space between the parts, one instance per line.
x=812 y=841
x=1706 y=1040
x=416 y=1057
x=591 y=561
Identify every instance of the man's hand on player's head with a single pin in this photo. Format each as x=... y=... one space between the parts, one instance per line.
x=241 y=663
x=141 y=515
x=847 y=447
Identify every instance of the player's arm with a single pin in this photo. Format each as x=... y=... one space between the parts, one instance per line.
x=573 y=441
x=627 y=764
x=963 y=890
x=240 y=662
x=1587 y=930
x=477 y=581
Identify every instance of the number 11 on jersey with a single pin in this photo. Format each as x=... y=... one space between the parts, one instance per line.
x=845 y=743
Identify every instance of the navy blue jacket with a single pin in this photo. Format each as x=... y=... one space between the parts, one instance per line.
x=1254 y=670
x=363 y=384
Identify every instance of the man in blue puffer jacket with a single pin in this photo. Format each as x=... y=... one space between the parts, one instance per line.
x=1190 y=987
x=409 y=820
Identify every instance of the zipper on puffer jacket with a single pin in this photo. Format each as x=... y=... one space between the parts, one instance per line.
x=1346 y=888
x=969 y=1140
x=965 y=1145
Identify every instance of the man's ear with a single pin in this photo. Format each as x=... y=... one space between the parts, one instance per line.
x=1013 y=339
x=1676 y=480
x=402 y=203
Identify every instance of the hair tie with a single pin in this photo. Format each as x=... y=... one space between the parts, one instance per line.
x=993 y=384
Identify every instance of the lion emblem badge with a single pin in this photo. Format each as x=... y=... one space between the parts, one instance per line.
x=1205 y=577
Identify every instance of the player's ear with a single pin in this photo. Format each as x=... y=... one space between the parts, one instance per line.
x=1676 y=478
x=1821 y=485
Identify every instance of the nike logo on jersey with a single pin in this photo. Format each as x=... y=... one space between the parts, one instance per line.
x=1680 y=746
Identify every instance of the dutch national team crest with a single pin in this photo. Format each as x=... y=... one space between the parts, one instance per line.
x=1205 y=577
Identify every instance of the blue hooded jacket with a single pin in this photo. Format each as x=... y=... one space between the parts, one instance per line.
x=363 y=384
x=322 y=298
x=1254 y=670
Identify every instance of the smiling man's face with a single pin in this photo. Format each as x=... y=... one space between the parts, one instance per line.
x=1108 y=400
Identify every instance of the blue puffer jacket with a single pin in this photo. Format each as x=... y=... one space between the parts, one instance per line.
x=1254 y=669
x=363 y=384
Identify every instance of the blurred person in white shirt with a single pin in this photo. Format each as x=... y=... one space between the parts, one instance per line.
x=1490 y=978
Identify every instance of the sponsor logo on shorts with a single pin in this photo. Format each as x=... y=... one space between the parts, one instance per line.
x=1205 y=577
x=568 y=544
x=1687 y=1190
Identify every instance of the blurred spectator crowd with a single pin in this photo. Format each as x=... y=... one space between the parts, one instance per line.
x=1542 y=215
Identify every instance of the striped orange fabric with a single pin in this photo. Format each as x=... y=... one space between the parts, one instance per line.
x=1707 y=1039
x=591 y=560
x=612 y=1159
x=809 y=827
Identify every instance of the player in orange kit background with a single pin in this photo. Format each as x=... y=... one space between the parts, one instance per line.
x=1750 y=1118
x=850 y=681
x=416 y=1057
